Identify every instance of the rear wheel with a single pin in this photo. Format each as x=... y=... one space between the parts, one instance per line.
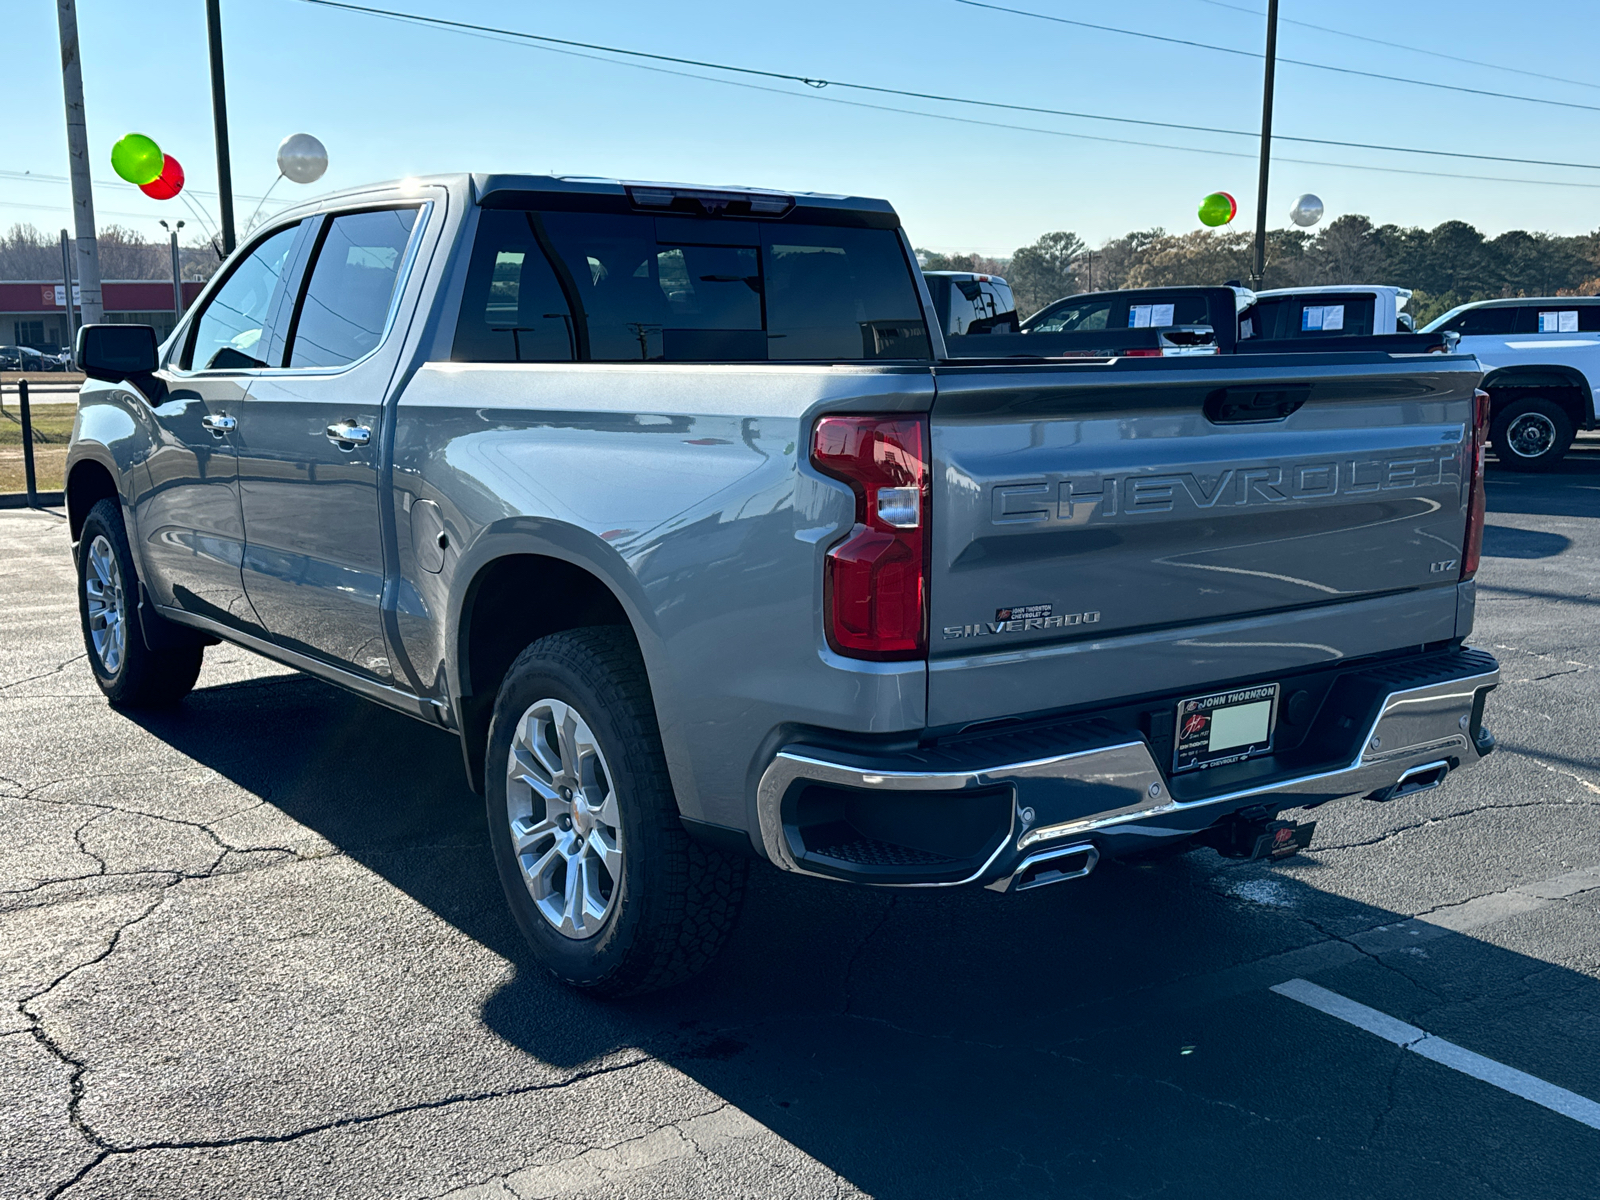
x=611 y=893
x=129 y=673
x=1531 y=434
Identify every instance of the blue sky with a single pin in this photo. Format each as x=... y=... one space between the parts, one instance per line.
x=392 y=99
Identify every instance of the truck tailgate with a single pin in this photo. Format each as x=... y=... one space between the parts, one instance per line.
x=1105 y=531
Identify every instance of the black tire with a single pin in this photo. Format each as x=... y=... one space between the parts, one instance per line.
x=131 y=675
x=676 y=900
x=1531 y=434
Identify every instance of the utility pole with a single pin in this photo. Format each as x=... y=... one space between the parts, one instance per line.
x=219 y=117
x=93 y=310
x=1266 y=146
x=66 y=278
x=177 y=273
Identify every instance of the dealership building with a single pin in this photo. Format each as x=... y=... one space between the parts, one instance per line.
x=34 y=312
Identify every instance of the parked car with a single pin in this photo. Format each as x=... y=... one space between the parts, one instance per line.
x=21 y=358
x=968 y=303
x=671 y=504
x=1543 y=361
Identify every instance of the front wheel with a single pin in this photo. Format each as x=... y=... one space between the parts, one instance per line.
x=1531 y=434
x=129 y=672
x=611 y=893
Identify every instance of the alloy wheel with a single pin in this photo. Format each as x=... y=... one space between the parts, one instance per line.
x=102 y=585
x=1531 y=435
x=565 y=828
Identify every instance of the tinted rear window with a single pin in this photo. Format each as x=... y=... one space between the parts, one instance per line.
x=1337 y=314
x=613 y=288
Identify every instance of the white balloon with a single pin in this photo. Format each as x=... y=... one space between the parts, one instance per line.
x=302 y=158
x=1307 y=211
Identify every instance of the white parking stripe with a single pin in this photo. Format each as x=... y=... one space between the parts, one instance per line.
x=1419 y=1041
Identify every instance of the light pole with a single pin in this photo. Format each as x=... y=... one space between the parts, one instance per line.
x=93 y=311
x=1266 y=146
x=66 y=279
x=219 y=118
x=177 y=275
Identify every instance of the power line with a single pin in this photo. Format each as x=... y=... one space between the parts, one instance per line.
x=1361 y=37
x=1158 y=37
x=499 y=34
x=757 y=87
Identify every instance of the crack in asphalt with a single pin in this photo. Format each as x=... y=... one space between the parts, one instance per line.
x=56 y=670
x=109 y=1151
x=1454 y=816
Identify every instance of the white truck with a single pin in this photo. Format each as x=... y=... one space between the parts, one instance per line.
x=1541 y=356
x=1339 y=310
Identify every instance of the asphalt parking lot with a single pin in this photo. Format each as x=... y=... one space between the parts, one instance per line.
x=257 y=947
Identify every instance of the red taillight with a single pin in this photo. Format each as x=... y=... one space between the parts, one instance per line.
x=1141 y=353
x=1476 y=499
x=875 y=581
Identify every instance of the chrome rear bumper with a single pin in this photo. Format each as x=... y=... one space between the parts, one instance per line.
x=1425 y=723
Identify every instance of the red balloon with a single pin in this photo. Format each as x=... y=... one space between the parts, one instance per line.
x=167 y=184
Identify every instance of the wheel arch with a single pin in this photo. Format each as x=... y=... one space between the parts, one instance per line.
x=519 y=583
x=90 y=479
x=1566 y=386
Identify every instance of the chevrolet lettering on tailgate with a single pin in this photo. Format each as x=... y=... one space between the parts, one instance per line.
x=1073 y=499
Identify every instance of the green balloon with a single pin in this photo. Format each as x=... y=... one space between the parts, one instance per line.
x=137 y=159
x=1217 y=209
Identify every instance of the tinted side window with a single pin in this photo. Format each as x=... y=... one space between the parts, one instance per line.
x=233 y=331
x=1092 y=314
x=1159 y=311
x=513 y=308
x=1556 y=317
x=352 y=280
x=1484 y=321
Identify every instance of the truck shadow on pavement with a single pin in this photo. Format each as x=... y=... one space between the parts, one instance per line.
x=1110 y=1037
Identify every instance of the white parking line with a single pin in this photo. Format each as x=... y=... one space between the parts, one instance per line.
x=1419 y=1041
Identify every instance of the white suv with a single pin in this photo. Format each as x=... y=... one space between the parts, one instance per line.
x=1542 y=364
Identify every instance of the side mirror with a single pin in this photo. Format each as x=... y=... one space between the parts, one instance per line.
x=113 y=353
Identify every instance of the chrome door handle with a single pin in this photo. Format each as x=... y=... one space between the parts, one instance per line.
x=218 y=425
x=349 y=433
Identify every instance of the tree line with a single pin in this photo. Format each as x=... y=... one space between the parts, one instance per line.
x=1445 y=266
x=27 y=253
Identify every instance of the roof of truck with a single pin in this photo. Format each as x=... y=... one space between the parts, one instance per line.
x=519 y=191
x=1573 y=301
x=1336 y=288
x=493 y=190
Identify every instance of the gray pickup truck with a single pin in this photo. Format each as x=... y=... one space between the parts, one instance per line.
x=670 y=503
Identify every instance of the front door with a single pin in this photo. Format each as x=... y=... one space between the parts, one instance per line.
x=187 y=514
x=310 y=448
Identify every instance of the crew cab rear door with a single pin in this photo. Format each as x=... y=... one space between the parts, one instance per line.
x=1189 y=521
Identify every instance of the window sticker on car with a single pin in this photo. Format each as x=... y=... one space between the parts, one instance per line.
x=1326 y=317
x=1565 y=321
x=1144 y=316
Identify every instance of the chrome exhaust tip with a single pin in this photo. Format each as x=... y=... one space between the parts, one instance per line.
x=1050 y=866
x=1418 y=779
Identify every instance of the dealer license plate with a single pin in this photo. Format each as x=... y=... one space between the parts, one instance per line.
x=1225 y=727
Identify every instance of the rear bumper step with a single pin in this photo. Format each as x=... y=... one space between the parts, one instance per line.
x=1403 y=727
